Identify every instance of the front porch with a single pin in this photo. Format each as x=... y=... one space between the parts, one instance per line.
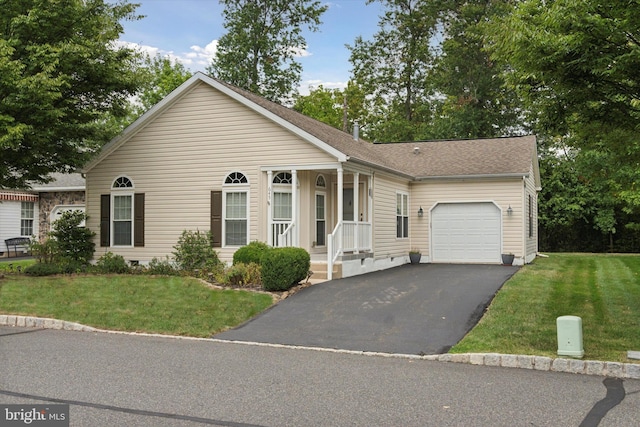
x=325 y=210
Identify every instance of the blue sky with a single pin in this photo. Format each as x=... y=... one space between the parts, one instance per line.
x=187 y=31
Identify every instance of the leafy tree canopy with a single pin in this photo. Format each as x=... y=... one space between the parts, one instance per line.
x=264 y=36
x=61 y=75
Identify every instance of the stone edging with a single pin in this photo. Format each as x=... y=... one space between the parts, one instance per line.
x=538 y=363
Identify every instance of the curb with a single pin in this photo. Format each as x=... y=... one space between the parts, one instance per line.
x=537 y=363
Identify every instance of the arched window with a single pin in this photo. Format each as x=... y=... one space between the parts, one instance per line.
x=236 y=209
x=283 y=178
x=122 y=212
x=122 y=182
x=320 y=182
x=282 y=198
x=236 y=178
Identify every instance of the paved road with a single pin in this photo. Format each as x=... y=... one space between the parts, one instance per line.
x=413 y=309
x=118 y=380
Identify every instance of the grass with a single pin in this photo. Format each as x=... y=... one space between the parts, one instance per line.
x=9 y=266
x=165 y=305
x=604 y=290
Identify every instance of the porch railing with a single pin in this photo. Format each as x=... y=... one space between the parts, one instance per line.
x=282 y=233
x=347 y=236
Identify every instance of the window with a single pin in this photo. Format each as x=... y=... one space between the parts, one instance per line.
x=321 y=222
x=282 y=197
x=283 y=178
x=27 y=212
x=320 y=182
x=122 y=220
x=402 y=215
x=530 y=216
x=122 y=215
x=236 y=210
x=122 y=212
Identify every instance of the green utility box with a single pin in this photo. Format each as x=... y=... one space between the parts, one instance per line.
x=570 y=336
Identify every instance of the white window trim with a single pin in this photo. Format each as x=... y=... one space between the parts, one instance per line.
x=402 y=193
x=119 y=192
x=315 y=215
x=34 y=208
x=235 y=188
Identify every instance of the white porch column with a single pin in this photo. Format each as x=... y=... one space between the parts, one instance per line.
x=269 y=208
x=340 y=195
x=369 y=218
x=356 y=208
x=294 y=206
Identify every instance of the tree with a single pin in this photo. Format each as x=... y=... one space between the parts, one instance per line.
x=161 y=76
x=328 y=106
x=264 y=36
x=576 y=64
x=393 y=69
x=61 y=75
x=471 y=99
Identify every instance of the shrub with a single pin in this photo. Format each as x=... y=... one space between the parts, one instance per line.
x=45 y=251
x=110 y=263
x=42 y=269
x=251 y=253
x=162 y=267
x=73 y=242
x=194 y=252
x=283 y=268
x=242 y=275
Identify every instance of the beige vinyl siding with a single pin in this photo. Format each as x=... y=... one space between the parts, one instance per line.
x=183 y=154
x=503 y=192
x=385 y=242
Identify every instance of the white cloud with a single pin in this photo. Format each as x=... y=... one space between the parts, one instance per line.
x=195 y=60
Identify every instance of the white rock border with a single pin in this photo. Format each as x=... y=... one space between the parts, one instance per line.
x=539 y=363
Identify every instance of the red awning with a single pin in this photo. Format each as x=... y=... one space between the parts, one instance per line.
x=18 y=197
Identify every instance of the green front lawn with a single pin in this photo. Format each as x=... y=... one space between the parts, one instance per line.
x=604 y=290
x=165 y=305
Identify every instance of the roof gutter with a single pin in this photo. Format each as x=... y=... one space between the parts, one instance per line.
x=379 y=167
x=477 y=176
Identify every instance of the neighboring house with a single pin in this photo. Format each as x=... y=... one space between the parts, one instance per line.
x=214 y=157
x=29 y=213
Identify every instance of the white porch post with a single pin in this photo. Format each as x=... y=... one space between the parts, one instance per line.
x=356 y=209
x=294 y=206
x=340 y=195
x=370 y=209
x=269 y=209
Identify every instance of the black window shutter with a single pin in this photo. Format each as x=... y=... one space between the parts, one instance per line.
x=138 y=220
x=105 y=219
x=216 y=219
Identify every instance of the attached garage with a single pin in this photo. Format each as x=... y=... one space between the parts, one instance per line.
x=466 y=232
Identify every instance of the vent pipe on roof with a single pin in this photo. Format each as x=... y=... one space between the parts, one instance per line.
x=416 y=150
x=356 y=131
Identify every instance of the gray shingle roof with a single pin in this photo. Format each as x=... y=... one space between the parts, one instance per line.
x=62 y=181
x=496 y=156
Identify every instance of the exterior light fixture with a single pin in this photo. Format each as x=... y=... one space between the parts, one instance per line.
x=509 y=211
x=420 y=212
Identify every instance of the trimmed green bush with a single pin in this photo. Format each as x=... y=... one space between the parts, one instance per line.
x=243 y=275
x=74 y=243
x=110 y=263
x=194 y=252
x=283 y=268
x=162 y=267
x=251 y=253
x=42 y=269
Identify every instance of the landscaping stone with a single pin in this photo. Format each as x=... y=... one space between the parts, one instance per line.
x=594 y=367
x=460 y=358
x=542 y=363
x=492 y=359
x=613 y=369
x=632 y=370
x=476 y=359
x=445 y=357
x=560 y=365
x=526 y=362
x=576 y=366
x=509 y=360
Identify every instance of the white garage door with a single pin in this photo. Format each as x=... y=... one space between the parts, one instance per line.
x=465 y=232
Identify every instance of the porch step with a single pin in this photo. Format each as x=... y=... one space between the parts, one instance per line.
x=319 y=269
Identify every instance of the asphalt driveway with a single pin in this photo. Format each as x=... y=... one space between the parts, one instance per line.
x=412 y=309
